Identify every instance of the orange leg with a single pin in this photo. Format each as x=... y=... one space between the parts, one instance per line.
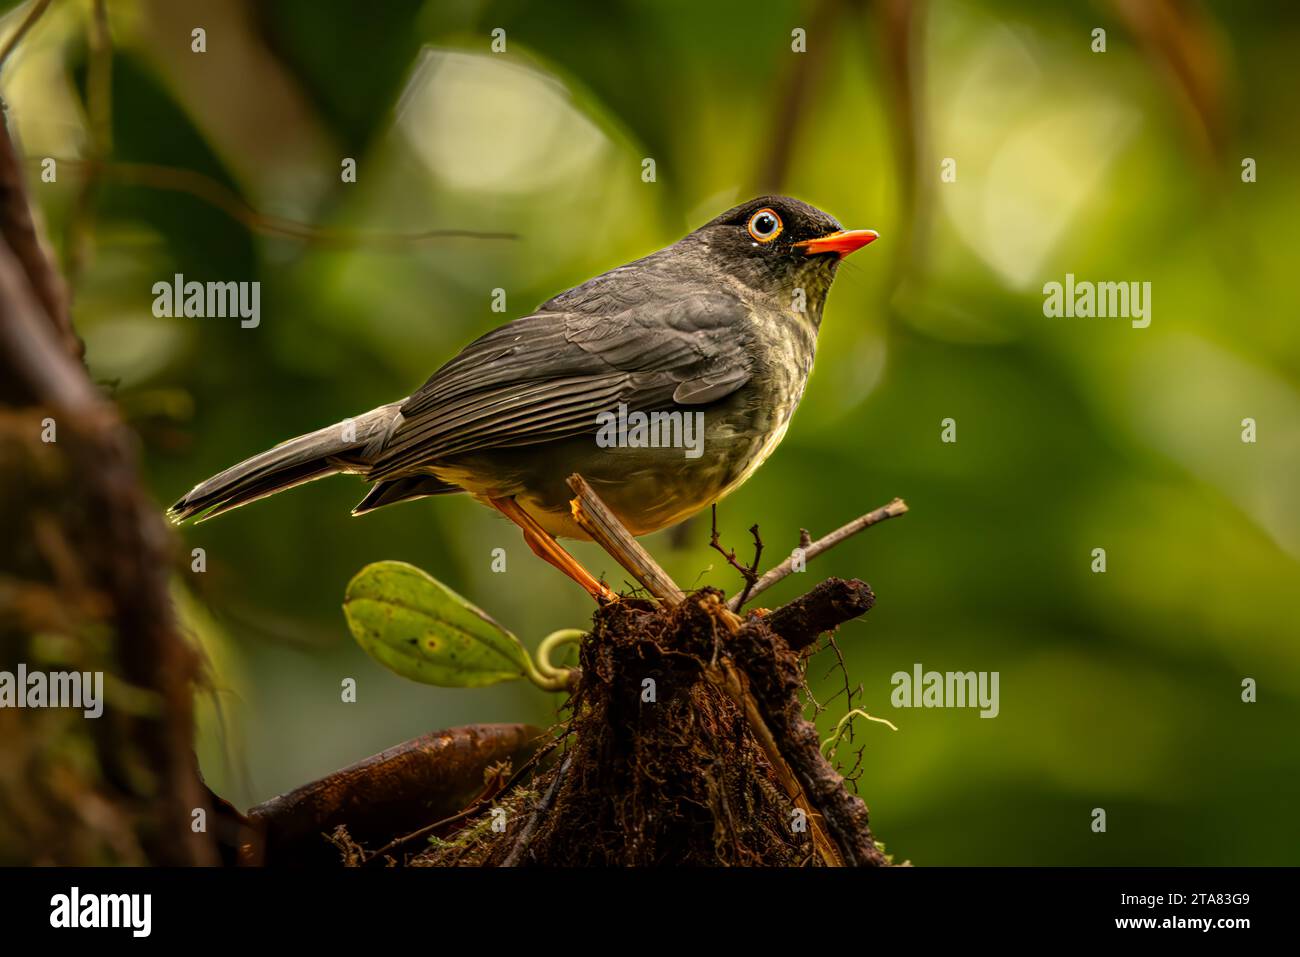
x=548 y=549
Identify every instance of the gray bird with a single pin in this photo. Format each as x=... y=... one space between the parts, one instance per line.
x=665 y=383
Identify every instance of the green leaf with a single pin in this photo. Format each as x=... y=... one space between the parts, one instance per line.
x=415 y=625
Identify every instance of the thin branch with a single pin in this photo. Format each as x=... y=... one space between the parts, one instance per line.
x=715 y=543
x=892 y=510
x=526 y=836
x=750 y=574
x=217 y=194
x=37 y=9
x=18 y=227
x=797 y=92
x=491 y=790
x=80 y=230
x=596 y=519
x=39 y=361
x=99 y=81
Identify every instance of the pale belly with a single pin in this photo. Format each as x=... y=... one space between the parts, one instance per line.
x=648 y=488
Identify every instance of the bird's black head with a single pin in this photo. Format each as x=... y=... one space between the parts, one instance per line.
x=777 y=244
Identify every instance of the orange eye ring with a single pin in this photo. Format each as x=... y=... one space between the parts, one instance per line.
x=761 y=218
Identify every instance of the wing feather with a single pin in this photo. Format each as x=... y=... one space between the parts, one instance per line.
x=547 y=376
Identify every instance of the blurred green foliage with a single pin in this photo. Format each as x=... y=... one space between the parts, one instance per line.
x=1119 y=690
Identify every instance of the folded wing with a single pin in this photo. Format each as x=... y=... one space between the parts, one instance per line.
x=547 y=376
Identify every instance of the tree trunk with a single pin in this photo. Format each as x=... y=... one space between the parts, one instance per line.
x=83 y=588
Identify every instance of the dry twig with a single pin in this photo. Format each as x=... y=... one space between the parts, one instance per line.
x=543 y=805
x=893 y=509
x=750 y=574
x=596 y=519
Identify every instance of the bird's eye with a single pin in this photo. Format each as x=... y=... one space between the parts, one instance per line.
x=765 y=225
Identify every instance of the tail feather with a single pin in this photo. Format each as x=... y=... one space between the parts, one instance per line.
x=344 y=447
x=403 y=490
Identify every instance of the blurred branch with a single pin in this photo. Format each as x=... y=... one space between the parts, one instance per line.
x=1179 y=38
x=895 y=508
x=19 y=230
x=900 y=24
x=215 y=194
x=80 y=229
x=34 y=13
x=99 y=107
x=793 y=98
x=99 y=82
x=37 y=362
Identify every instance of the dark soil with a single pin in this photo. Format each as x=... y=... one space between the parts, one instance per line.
x=658 y=766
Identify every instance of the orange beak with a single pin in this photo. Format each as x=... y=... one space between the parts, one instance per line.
x=841 y=243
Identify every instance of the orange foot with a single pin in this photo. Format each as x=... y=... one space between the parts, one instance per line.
x=545 y=547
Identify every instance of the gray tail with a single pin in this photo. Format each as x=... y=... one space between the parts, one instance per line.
x=344 y=447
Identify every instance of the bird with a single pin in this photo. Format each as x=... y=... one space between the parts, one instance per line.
x=710 y=339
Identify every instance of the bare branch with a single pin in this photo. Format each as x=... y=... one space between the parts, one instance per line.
x=750 y=574
x=18 y=228
x=892 y=510
x=596 y=519
x=37 y=9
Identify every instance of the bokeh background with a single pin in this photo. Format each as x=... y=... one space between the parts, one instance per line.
x=1119 y=690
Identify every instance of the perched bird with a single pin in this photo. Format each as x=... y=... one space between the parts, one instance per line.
x=711 y=339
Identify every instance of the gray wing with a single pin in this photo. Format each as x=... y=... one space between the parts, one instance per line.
x=548 y=375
